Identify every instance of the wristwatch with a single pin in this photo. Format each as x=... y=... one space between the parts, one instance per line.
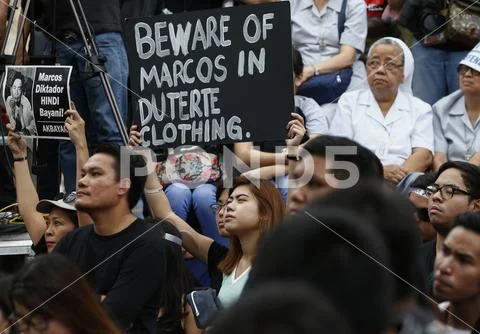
x=316 y=70
x=20 y=159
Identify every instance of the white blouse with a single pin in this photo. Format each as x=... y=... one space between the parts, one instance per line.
x=407 y=125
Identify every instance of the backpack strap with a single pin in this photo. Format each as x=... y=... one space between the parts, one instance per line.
x=342 y=16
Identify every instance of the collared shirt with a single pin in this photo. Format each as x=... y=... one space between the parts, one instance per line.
x=315 y=33
x=454 y=133
x=407 y=125
x=316 y=121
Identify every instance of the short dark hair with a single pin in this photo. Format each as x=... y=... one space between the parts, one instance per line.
x=424 y=180
x=297 y=62
x=367 y=162
x=18 y=75
x=468 y=220
x=286 y=308
x=337 y=253
x=470 y=175
x=136 y=161
x=393 y=216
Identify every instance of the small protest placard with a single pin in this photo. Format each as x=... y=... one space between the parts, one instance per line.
x=212 y=77
x=36 y=98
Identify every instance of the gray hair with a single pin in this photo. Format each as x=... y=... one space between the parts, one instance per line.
x=387 y=41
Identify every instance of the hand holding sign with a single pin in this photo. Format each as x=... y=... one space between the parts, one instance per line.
x=134 y=139
x=211 y=77
x=296 y=130
x=75 y=126
x=16 y=143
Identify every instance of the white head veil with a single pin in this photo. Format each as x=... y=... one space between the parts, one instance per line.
x=408 y=65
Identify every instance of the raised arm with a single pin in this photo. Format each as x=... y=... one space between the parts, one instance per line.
x=27 y=196
x=75 y=126
x=194 y=242
x=248 y=154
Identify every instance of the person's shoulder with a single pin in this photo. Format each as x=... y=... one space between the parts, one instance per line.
x=354 y=5
x=445 y=104
x=79 y=233
x=150 y=233
x=417 y=104
x=75 y=237
x=25 y=101
x=354 y=96
x=428 y=247
x=218 y=250
x=305 y=102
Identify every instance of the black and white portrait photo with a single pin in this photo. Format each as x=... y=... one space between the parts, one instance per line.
x=18 y=97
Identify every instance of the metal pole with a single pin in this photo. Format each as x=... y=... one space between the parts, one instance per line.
x=20 y=30
x=9 y=26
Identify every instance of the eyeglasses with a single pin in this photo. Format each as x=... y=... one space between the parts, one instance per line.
x=374 y=64
x=447 y=191
x=422 y=215
x=35 y=321
x=67 y=198
x=217 y=207
x=463 y=69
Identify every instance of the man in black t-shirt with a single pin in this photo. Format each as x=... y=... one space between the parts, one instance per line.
x=122 y=256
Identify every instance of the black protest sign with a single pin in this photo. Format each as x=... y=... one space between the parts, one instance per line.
x=36 y=98
x=212 y=77
x=51 y=100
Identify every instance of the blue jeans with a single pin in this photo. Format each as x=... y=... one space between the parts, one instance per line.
x=183 y=199
x=89 y=96
x=435 y=74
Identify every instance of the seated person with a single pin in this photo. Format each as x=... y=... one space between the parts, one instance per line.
x=327 y=48
x=200 y=246
x=455 y=117
x=386 y=117
x=122 y=256
x=62 y=215
x=189 y=177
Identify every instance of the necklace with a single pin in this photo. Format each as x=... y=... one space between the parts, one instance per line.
x=470 y=150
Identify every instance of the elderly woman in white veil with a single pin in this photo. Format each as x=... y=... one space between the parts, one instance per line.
x=386 y=117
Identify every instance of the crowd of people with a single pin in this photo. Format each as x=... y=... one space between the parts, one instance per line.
x=368 y=220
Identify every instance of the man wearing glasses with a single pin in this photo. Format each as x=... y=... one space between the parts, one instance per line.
x=456 y=190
